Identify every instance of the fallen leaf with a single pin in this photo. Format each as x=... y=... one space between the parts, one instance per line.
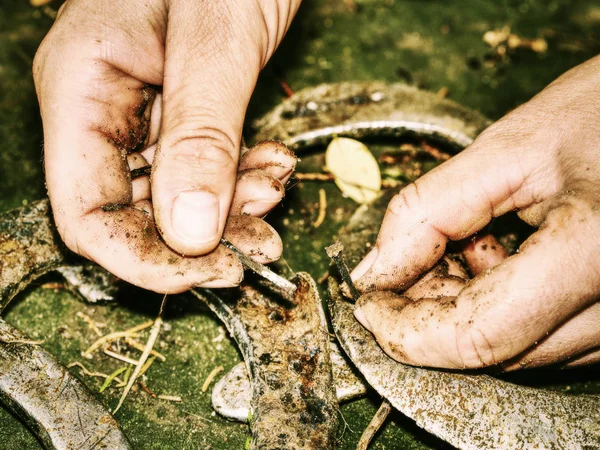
x=354 y=168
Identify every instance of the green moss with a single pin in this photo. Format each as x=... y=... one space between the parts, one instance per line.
x=431 y=44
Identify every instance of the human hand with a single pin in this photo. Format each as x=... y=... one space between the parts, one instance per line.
x=98 y=73
x=537 y=307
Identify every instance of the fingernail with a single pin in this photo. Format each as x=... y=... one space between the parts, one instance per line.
x=360 y=316
x=364 y=266
x=219 y=284
x=195 y=216
x=258 y=208
x=280 y=172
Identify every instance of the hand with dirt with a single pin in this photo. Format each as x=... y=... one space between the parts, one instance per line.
x=123 y=84
x=537 y=307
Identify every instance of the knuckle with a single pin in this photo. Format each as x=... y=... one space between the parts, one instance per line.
x=407 y=199
x=39 y=62
x=207 y=148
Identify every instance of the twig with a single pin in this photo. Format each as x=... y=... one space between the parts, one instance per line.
x=315 y=176
x=345 y=425
x=114 y=336
x=335 y=252
x=322 y=209
x=442 y=93
x=374 y=426
x=138 y=346
x=146 y=389
x=311 y=176
x=151 y=340
x=286 y=88
x=87 y=319
x=211 y=376
x=434 y=152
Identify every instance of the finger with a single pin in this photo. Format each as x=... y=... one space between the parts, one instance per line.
x=256 y=193
x=212 y=63
x=134 y=249
x=125 y=241
x=155 y=123
x=491 y=177
x=505 y=311
x=149 y=153
x=587 y=359
x=577 y=336
x=439 y=282
x=272 y=157
x=93 y=115
x=483 y=252
x=254 y=237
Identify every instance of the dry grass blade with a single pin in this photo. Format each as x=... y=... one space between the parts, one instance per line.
x=118 y=356
x=90 y=322
x=111 y=377
x=138 y=346
x=140 y=364
x=211 y=376
x=322 y=209
x=114 y=336
x=146 y=366
x=125 y=377
x=89 y=373
x=170 y=398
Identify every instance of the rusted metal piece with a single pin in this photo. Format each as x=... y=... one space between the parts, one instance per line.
x=90 y=282
x=60 y=410
x=30 y=247
x=55 y=405
x=368 y=109
x=232 y=395
x=468 y=411
x=286 y=350
x=336 y=253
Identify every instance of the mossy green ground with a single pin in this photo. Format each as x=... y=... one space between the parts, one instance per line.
x=432 y=44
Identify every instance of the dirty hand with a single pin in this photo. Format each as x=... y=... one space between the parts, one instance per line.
x=535 y=308
x=98 y=75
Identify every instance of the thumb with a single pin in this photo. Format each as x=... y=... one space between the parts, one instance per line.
x=499 y=172
x=211 y=68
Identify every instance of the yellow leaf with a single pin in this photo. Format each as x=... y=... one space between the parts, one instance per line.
x=354 y=168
